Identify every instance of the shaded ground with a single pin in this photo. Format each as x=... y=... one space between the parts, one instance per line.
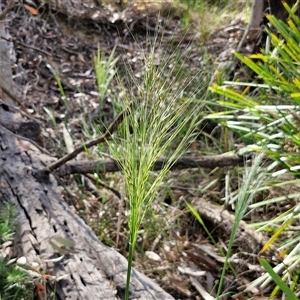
x=49 y=45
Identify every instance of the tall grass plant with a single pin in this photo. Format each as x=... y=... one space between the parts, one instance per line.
x=160 y=121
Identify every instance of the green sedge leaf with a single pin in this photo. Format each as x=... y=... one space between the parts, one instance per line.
x=283 y=286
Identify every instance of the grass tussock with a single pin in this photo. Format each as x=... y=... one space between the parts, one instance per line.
x=160 y=122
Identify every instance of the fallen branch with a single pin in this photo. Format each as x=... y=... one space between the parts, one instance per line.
x=103 y=138
x=248 y=239
x=109 y=166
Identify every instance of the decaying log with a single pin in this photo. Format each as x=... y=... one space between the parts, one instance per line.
x=255 y=31
x=5 y=66
x=247 y=239
x=89 y=270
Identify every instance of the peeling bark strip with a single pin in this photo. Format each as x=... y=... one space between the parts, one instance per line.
x=90 y=270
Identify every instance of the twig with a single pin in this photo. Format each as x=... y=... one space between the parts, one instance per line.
x=26 y=46
x=34 y=48
x=103 y=138
x=15 y=108
x=106 y=186
x=201 y=289
x=26 y=139
x=8 y=8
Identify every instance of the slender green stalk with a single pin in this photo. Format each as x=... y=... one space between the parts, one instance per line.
x=252 y=179
x=132 y=242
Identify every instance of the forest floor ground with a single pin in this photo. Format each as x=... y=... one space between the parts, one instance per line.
x=51 y=45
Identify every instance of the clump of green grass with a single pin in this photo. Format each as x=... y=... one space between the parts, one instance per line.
x=14 y=283
x=265 y=116
x=7 y=223
x=160 y=121
x=105 y=71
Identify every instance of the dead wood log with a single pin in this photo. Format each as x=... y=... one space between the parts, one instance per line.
x=255 y=31
x=104 y=166
x=89 y=270
x=5 y=66
x=247 y=238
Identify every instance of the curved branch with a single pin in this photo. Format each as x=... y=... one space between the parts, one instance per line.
x=103 y=138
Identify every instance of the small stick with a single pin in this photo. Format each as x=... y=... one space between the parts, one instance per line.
x=27 y=46
x=8 y=8
x=26 y=139
x=112 y=127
